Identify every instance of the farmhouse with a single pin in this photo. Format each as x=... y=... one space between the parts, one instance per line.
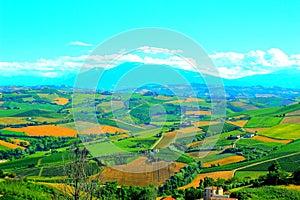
x=215 y=193
x=249 y=135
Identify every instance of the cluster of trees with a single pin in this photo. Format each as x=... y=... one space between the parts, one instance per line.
x=42 y=144
x=250 y=153
x=278 y=176
x=181 y=178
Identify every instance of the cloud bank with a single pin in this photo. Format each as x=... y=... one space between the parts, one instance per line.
x=231 y=65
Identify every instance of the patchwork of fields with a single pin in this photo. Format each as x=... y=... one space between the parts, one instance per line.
x=153 y=135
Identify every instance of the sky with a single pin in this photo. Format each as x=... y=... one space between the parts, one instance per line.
x=243 y=38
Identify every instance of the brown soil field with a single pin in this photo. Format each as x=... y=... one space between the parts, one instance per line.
x=291 y=120
x=267 y=139
x=200 y=154
x=214 y=175
x=169 y=137
x=243 y=105
x=240 y=123
x=103 y=129
x=297 y=112
x=225 y=161
x=10 y=145
x=140 y=173
x=61 y=101
x=258 y=130
x=46 y=130
x=198 y=112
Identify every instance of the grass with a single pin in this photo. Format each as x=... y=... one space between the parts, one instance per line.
x=283 y=131
x=2 y=147
x=272 y=112
x=259 y=122
x=249 y=174
x=289 y=164
x=20 y=163
x=55 y=158
x=131 y=144
x=103 y=148
x=287 y=149
x=257 y=144
x=12 y=133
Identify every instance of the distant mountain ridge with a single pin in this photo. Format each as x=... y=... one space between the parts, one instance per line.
x=169 y=75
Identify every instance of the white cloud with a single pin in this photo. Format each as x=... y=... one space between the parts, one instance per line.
x=155 y=50
x=236 y=65
x=230 y=65
x=78 y=43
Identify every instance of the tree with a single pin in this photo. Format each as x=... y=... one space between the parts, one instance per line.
x=80 y=184
x=296 y=176
x=276 y=175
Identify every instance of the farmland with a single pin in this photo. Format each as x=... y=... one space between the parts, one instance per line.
x=46 y=130
x=283 y=131
x=156 y=136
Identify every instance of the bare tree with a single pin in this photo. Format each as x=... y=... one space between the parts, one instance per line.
x=82 y=175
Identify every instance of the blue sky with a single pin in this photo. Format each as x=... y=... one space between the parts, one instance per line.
x=35 y=31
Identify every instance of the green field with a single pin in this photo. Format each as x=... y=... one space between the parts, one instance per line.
x=103 y=148
x=283 y=131
x=260 y=122
x=289 y=164
x=249 y=174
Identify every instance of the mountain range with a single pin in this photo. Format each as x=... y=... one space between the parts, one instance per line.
x=130 y=75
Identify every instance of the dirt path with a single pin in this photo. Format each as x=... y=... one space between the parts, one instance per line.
x=156 y=143
x=38 y=162
x=264 y=161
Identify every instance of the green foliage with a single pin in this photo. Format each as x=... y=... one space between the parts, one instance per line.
x=26 y=190
x=266 y=192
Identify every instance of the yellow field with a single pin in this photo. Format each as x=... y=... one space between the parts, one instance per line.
x=140 y=173
x=190 y=99
x=240 y=123
x=46 y=130
x=60 y=186
x=10 y=145
x=169 y=137
x=214 y=175
x=103 y=129
x=225 y=161
x=61 y=101
x=295 y=187
x=174 y=101
x=161 y=97
x=13 y=120
x=258 y=130
x=267 y=139
x=198 y=112
x=291 y=120
x=205 y=123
